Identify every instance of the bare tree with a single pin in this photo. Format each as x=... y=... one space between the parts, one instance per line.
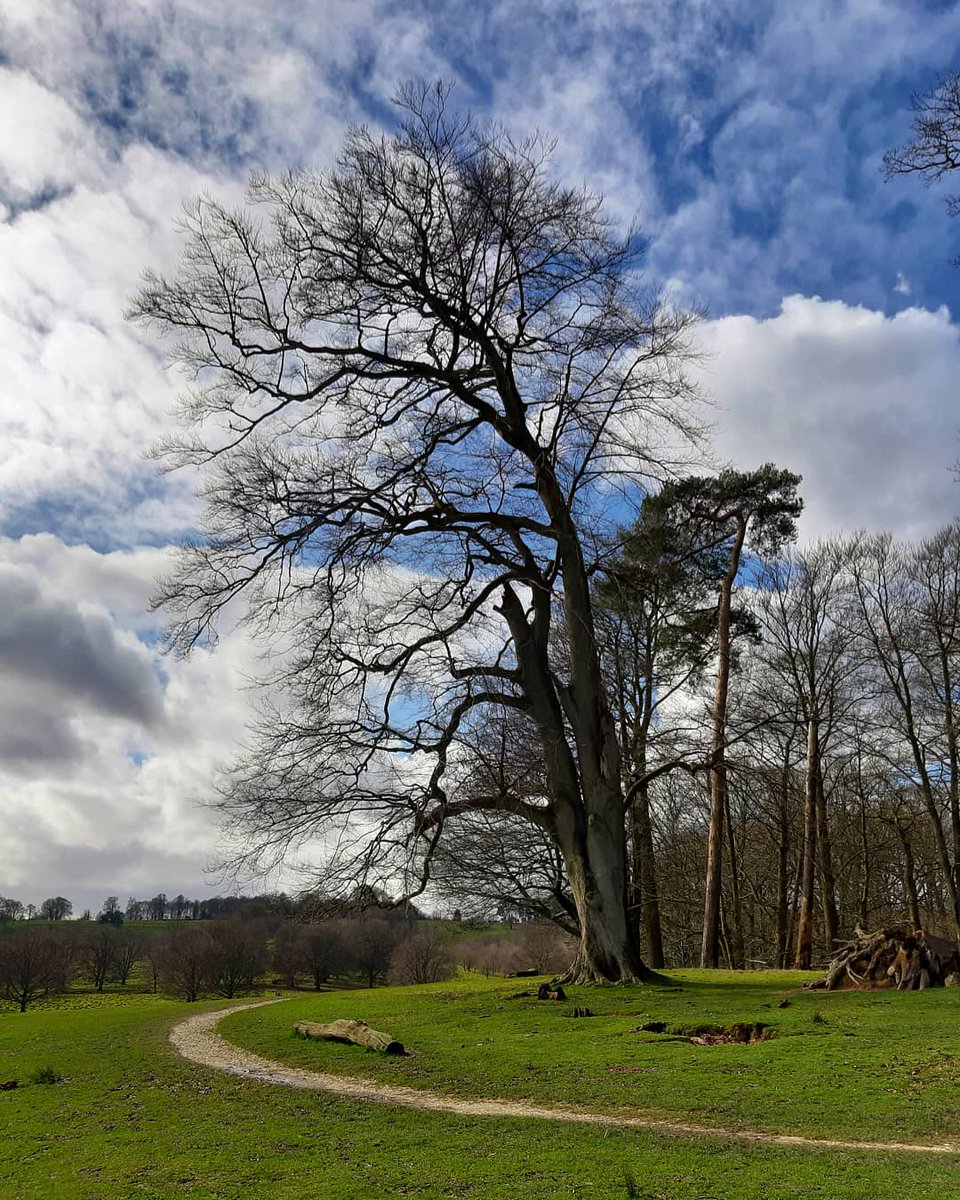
x=325 y=951
x=127 y=952
x=289 y=957
x=416 y=378
x=56 y=908
x=801 y=601
x=238 y=956
x=97 y=952
x=908 y=611
x=935 y=149
x=372 y=942
x=425 y=957
x=32 y=962
x=184 y=963
x=10 y=909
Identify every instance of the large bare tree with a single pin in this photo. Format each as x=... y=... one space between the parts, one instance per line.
x=422 y=377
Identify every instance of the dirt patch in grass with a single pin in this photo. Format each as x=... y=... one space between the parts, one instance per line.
x=740 y=1033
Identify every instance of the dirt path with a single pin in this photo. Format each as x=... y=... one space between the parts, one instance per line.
x=196 y=1039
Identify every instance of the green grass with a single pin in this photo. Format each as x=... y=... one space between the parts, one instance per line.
x=131 y=1119
x=880 y=1066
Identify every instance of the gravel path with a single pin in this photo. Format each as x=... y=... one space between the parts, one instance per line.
x=196 y=1039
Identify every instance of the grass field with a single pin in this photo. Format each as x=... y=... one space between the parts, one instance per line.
x=131 y=1119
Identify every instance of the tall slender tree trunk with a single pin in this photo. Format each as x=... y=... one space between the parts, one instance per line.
x=645 y=897
x=866 y=862
x=783 y=866
x=804 y=954
x=953 y=757
x=828 y=883
x=710 y=947
x=909 y=876
x=735 y=909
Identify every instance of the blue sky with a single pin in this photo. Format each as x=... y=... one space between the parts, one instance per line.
x=746 y=140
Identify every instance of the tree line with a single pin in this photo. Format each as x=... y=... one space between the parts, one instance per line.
x=841 y=798
x=233 y=956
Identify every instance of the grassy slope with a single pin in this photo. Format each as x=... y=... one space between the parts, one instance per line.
x=134 y=1120
x=884 y=1066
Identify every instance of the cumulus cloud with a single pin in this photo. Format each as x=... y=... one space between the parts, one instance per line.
x=863 y=405
x=105 y=750
x=69 y=655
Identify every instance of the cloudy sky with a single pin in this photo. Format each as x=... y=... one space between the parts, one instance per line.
x=745 y=136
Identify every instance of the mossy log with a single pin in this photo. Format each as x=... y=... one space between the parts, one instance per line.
x=356 y=1033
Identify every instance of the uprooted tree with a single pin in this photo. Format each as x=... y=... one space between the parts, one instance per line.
x=421 y=379
x=909 y=960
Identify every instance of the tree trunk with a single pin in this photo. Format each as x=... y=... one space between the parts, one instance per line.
x=804 y=955
x=828 y=884
x=710 y=947
x=866 y=864
x=783 y=882
x=735 y=909
x=595 y=856
x=909 y=876
x=953 y=756
x=645 y=893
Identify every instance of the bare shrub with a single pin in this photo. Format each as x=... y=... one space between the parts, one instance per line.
x=546 y=948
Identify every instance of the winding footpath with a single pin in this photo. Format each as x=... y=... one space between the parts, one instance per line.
x=197 y=1040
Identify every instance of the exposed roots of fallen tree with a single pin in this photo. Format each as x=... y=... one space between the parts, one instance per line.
x=893 y=958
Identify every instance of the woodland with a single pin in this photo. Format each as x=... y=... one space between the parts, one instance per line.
x=530 y=650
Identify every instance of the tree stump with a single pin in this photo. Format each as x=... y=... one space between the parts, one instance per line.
x=550 y=991
x=355 y=1033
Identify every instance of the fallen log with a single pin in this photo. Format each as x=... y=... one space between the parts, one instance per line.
x=905 y=959
x=355 y=1033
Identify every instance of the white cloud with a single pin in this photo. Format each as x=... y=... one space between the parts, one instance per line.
x=749 y=144
x=44 y=145
x=862 y=405
x=106 y=749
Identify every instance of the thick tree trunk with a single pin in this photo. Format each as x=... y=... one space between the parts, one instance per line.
x=595 y=856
